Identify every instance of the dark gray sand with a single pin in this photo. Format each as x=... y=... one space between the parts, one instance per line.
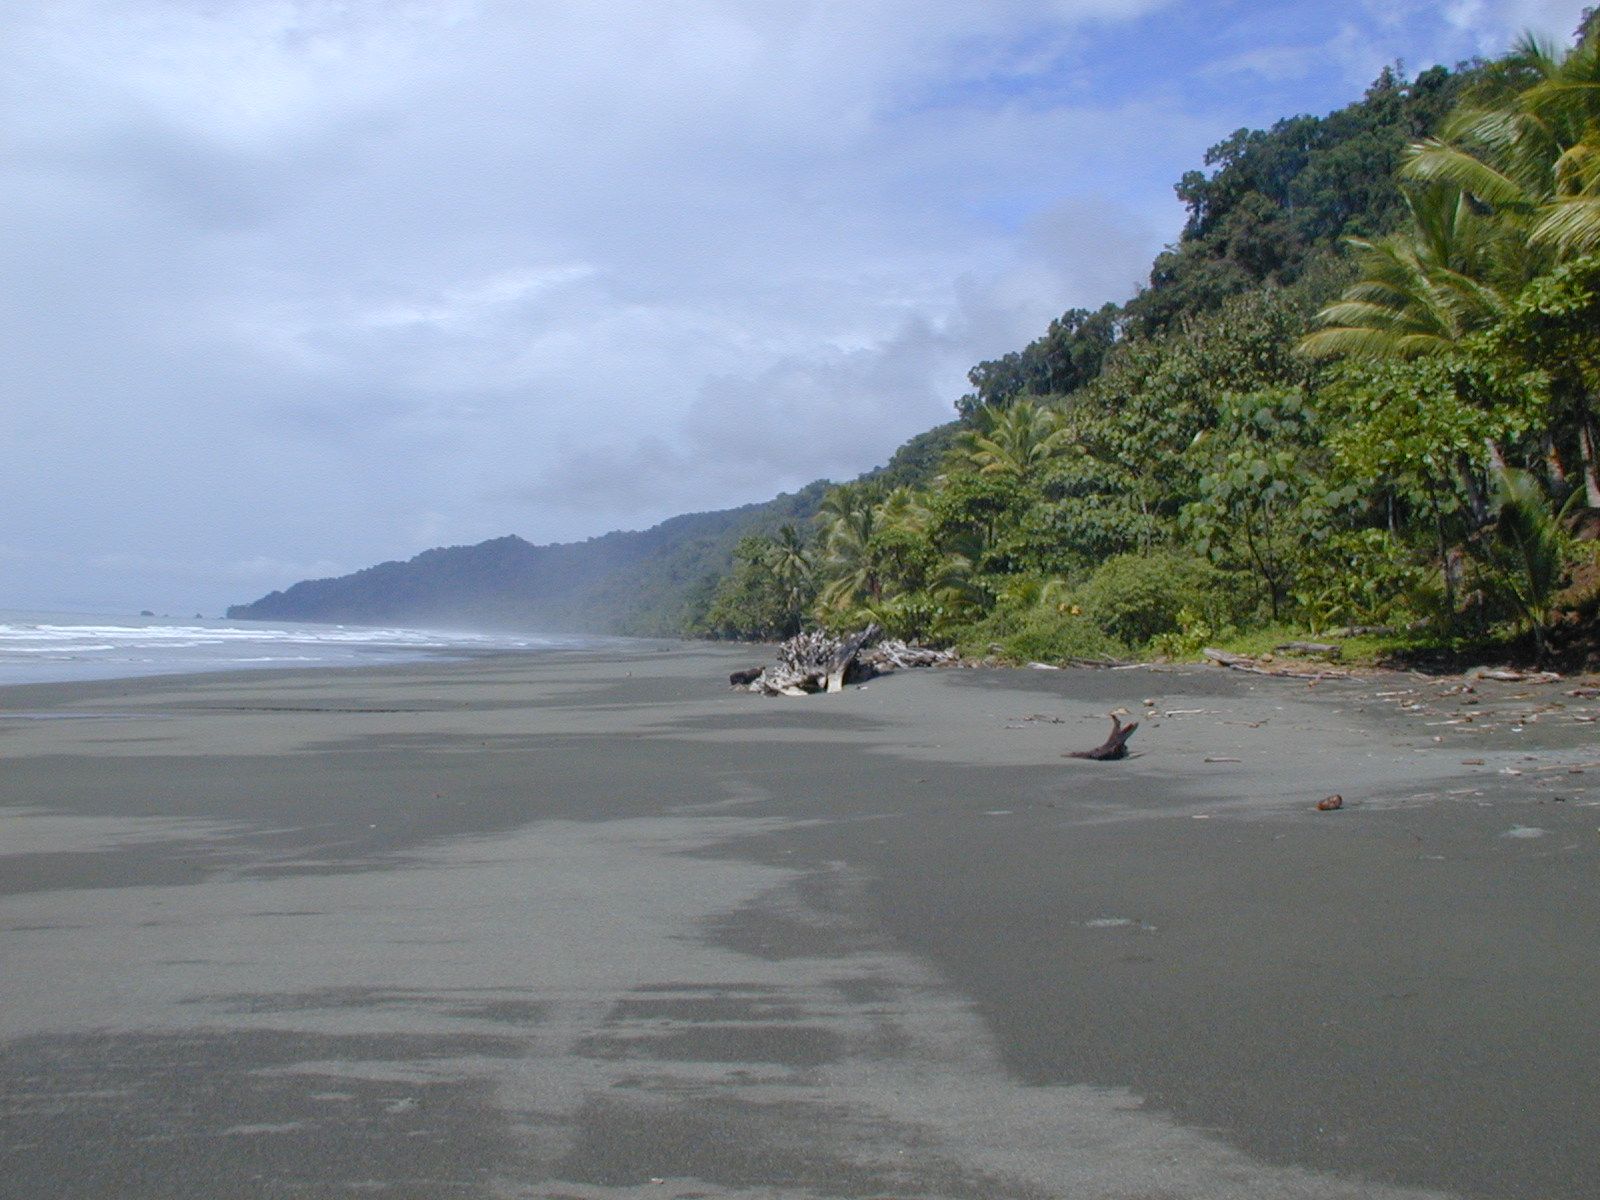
x=597 y=926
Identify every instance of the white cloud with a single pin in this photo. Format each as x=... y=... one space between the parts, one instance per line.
x=1485 y=27
x=1272 y=63
x=317 y=281
x=1493 y=24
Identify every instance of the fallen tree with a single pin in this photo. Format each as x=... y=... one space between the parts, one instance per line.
x=817 y=662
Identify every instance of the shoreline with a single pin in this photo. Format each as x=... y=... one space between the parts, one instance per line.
x=605 y=920
x=44 y=647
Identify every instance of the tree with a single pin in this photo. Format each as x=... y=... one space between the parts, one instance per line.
x=1263 y=502
x=1157 y=395
x=1017 y=441
x=1530 y=548
x=1554 y=327
x=1068 y=356
x=767 y=592
x=1419 y=430
x=1529 y=146
x=1422 y=290
x=1277 y=200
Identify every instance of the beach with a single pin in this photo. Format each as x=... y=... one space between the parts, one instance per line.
x=594 y=924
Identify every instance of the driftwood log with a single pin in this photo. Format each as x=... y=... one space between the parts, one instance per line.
x=1506 y=675
x=1239 y=662
x=1315 y=649
x=891 y=654
x=815 y=662
x=1114 y=747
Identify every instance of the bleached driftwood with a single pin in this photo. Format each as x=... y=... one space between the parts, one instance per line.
x=1506 y=675
x=815 y=662
x=1238 y=662
x=892 y=654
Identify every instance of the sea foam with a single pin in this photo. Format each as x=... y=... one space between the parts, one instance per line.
x=56 y=647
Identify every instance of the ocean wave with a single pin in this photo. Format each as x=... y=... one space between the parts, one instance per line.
x=40 y=647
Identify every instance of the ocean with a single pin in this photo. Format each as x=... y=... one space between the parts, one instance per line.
x=37 y=647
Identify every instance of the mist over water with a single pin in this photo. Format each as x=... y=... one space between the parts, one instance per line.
x=42 y=647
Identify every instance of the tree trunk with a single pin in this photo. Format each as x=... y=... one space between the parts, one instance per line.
x=1586 y=445
x=1444 y=551
x=1555 y=469
x=1477 y=502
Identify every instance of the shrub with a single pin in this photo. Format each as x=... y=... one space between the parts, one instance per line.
x=1136 y=597
x=1042 y=634
x=1361 y=577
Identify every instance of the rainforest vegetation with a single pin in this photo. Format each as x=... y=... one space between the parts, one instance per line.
x=1360 y=391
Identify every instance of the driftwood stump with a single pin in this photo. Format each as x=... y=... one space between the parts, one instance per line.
x=845 y=655
x=1114 y=747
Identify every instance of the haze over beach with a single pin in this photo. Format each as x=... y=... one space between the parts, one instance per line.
x=300 y=287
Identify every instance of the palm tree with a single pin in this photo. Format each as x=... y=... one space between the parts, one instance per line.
x=957 y=583
x=1532 y=541
x=848 y=518
x=1421 y=291
x=1015 y=441
x=790 y=566
x=1530 y=150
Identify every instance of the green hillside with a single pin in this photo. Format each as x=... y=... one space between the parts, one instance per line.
x=1360 y=389
x=648 y=582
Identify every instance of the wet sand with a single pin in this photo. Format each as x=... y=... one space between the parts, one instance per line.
x=593 y=925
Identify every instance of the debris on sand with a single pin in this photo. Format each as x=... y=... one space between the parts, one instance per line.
x=1505 y=675
x=816 y=662
x=1239 y=662
x=1114 y=747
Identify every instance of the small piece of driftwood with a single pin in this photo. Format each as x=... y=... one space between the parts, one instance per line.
x=746 y=677
x=1114 y=747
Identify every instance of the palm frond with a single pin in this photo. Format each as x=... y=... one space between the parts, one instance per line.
x=1434 y=161
x=1571 y=226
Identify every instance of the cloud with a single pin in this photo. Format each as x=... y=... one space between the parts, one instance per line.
x=1273 y=63
x=1492 y=26
x=1482 y=27
x=327 y=281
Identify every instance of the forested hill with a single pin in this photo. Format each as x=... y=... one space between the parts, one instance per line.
x=647 y=582
x=1267 y=214
x=1360 y=389
x=656 y=582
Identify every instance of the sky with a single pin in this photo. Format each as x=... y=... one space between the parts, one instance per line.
x=298 y=286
